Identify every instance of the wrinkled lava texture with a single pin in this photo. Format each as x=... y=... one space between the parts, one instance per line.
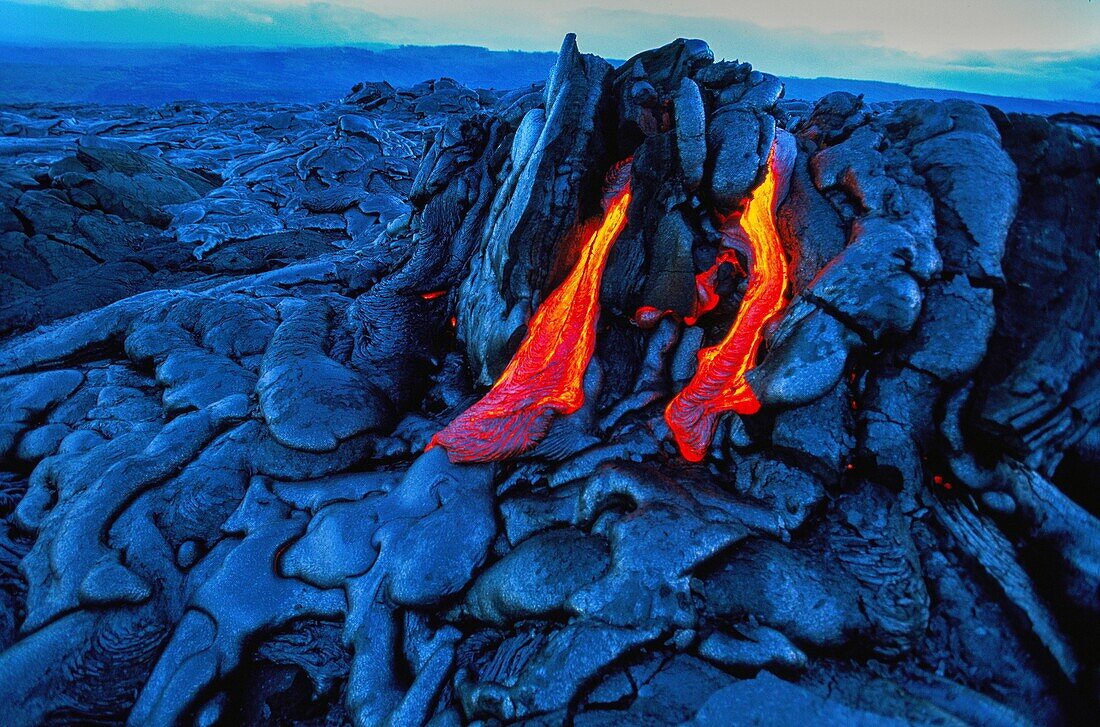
x=229 y=333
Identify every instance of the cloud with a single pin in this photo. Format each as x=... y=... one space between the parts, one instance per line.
x=777 y=45
x=198 y=22
x=808 y=53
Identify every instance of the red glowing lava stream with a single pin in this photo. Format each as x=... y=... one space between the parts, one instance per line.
x=719 y=384
x=546 y=375
x=706 y=297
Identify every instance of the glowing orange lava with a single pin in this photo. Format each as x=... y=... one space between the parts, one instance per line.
x=719 y=383
x=706 y=294
x=546 y=375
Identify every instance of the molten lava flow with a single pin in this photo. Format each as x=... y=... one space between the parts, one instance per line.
x=706 y=294
x=719 y=383
x=546 y=375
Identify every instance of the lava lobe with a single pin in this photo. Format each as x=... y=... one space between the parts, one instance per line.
x=546 y=375
x=719 y=384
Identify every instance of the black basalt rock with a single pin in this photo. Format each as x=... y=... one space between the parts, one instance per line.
x=229 y=332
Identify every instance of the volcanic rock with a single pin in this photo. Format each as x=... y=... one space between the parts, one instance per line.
x=231 y=333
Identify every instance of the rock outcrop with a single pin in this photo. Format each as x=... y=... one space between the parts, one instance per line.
x=230 y=333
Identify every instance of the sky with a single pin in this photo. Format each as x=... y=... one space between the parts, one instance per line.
x=1047 y=49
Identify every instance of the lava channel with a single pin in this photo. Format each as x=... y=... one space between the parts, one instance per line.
x=719 y=384
x=546 y=375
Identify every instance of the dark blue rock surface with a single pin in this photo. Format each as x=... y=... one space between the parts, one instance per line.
x=230 y=330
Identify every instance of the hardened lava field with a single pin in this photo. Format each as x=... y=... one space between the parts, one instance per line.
x=643 y=395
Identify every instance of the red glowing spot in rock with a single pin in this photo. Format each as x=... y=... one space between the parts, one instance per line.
x=545 y=377
x=719 y=384
x=279 y=553
x=706 y=282
x=706 y=294
x=454 y=322
x=433 y=294
x=647 y=316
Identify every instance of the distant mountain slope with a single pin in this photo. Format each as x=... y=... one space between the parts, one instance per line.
x=114 y=74
x=812 y=88
x=154 y=75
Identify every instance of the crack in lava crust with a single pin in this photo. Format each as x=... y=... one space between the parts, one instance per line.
x=719 y=384
x=546 y=375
